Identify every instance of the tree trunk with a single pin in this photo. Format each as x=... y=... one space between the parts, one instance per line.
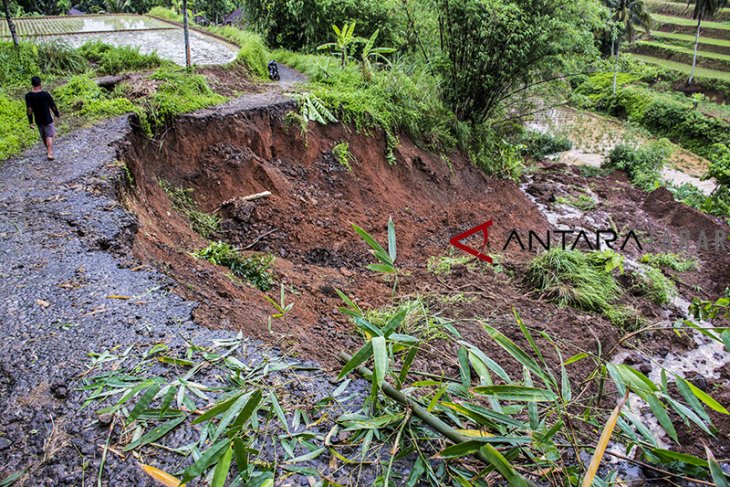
x=11 y=24
x=615 y=68
x=186 y=33
x=697 y=46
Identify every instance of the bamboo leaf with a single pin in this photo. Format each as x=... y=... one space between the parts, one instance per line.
x=603 y=443
x=675 y=456
x=380 y=354
x=143 y=403
x=517 y=393
x=707 y=399
x=461 y=449
x=222 y=469
x=500 y=463
x=369 y=239
x=516 y=352
x=718 y=476
x=384 y=268
x=208 y=458
x=360 y=357
x=161 y=477
x=247 y=412
x=392 y=251
x=218 y=408
x=660 y=412
x=155 y=434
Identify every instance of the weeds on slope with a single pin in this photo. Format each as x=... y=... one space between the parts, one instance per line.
x=254 y=269
x=204 y=224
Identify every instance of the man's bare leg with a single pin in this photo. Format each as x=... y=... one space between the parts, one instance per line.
x=49 y=145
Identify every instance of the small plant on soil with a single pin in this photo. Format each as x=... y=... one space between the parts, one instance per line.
x=280 y=306
x=583 y=280
x=671 y=261
x=582 y=202
x=254 y=269
x=444 y=264
x=654 y=285
x=341 y=153
x=204 y=224
x=386 y=260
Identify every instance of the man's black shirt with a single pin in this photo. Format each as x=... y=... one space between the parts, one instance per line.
x=41 y=103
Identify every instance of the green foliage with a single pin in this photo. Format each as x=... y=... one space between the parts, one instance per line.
x=113 y=60
x=344 y=39
x=643 y=165
x=579 y=279
x=654 y=285
x=444 y=264
x=16 y=134
x=720 y=164
x=58 y=58
x=537 y=145
x=342 y=154
x=252 y=52
x=493 y=48
x=179 y=92
x=717 y=204
x=254 y=269
x=18 y=65
x=670 y=261
x=204 y=224
x=304 y=25
x=82 y=96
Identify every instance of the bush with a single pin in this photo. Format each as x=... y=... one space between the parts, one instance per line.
x=643 y=165
x=57 y=57
x=720 y=164
x=16 y=134
x=113 y=60
x=538 y=145
x=81 y=95
x=654 y=285
x=18 y=65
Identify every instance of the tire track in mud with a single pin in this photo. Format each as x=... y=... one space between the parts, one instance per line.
x=65 y=253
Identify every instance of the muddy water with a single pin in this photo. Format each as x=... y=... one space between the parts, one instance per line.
x=168 y=44
x=594 y=136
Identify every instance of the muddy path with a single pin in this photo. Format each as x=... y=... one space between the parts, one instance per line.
x=71 y=287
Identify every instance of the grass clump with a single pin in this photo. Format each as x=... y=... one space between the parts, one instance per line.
x=58 y=58
x=204 y=224
x=444 y=264
x=582 y=280
x=342 y=154
x=582 y=202
x=112 y=60
x=643 y=165
x=253 y=268
x=179 y=92
x=670 y=261
x=16 y=134
x=252 y=52
x=654 y=285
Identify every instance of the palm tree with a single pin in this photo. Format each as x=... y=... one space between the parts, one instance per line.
x=703 y=9
x=626 y=16
x=11 y=24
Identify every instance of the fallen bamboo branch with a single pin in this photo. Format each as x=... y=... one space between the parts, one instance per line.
x=420 y=412
x=250 y=197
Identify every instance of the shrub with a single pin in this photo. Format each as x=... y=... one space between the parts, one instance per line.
x=341 y=153
x=18 y=65
x=16 y=134
x=643 y=165
x=81 y=95
x=253 y=268
x=720 y=164
x=579 y=279
x=204 y=224
x=538 y=145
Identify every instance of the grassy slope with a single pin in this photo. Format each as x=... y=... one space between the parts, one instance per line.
x=681 y=9
x=688 y=22
x=690 y=39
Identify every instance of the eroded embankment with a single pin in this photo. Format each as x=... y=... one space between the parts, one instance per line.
x=249 y=148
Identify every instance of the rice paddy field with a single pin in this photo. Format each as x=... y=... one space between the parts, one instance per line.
x=145 y=33
x=672 y=38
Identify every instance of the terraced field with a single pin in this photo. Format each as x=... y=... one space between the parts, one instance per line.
x=671 y=43
x=43 y=26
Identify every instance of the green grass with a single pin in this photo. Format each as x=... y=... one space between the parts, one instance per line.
x=581 y=202
x=688 y=22
x=681 y=9
x=701 y=72
x=685 y=50
x=16 y=134
x=204 y=224
x=712 y=41
x=654 y=285
x=670 y=261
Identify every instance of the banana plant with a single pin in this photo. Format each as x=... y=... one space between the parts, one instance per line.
x=371 y=54
x=344 y=39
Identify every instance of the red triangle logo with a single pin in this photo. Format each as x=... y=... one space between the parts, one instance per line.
x=484 y=228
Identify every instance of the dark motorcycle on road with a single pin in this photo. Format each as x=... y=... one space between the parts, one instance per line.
x=274 y=71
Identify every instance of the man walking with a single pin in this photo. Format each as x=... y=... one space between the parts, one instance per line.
x=40 y=104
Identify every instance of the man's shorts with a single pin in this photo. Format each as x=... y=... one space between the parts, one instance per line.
x=47 y=131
